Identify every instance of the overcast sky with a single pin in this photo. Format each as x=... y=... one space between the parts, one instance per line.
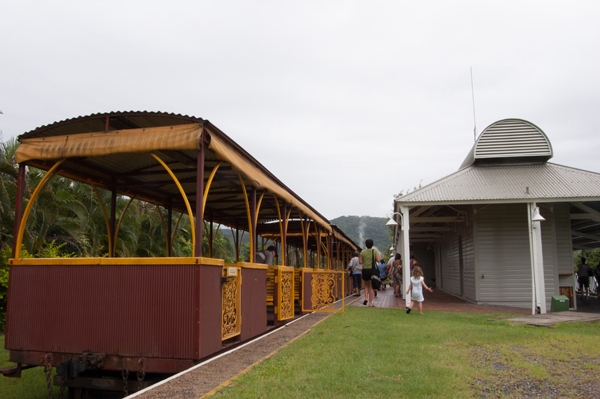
x=346 y=102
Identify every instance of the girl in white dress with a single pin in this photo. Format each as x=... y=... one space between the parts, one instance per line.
x=417 y=282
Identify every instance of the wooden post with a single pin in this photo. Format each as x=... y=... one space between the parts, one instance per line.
x=199 y=199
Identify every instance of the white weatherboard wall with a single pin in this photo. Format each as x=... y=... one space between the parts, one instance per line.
x=450 y=259
x=564 y=243
x=503 y=257
x=504 y=265
x=426 y=259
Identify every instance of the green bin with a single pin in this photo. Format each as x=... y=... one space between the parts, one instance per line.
x=560 y=303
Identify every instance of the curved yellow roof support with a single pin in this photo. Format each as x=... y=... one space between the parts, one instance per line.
x=110 y=246
x=119 y=224
x=280 y=230
x=258 y=207
x=187 y=203
x=303 y=236
x=49 y=175
x=208 y=183
x=249 y=217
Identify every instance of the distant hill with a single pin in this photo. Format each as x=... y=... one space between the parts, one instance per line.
x=359 y=228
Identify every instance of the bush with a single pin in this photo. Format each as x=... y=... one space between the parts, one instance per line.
x=48 y=250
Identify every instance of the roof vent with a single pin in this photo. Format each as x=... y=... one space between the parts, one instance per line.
x=510 y=141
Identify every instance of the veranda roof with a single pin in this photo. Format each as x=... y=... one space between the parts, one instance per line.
x=547 y=182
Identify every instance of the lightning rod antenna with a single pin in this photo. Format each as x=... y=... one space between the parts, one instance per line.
x=474 y=120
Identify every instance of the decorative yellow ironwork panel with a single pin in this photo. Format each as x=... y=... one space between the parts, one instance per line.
x=324 y=286
x=286 y=294
x=231 y=321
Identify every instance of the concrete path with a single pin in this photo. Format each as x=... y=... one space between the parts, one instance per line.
x=437 y=300
x=550 y=319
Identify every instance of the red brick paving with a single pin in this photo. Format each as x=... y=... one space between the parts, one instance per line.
x=436 y=300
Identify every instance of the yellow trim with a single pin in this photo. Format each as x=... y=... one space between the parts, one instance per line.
x=304 y=237
x=285 y=268
x=105 y=216
x=249 y=216
x=247 y=265
x=162 y=219
x=114 y=261
x=187 y=203
x=119 y=224
x=49 y=175
x=280 y=229
x=258 y=207
x=208 y=183
x=283 y=245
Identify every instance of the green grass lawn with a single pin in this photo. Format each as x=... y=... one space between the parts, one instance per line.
x=384 y=353
x=32 y=384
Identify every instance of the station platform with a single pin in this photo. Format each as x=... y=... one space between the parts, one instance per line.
x=436 y=300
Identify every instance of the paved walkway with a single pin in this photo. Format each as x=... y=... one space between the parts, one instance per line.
x=438 y=300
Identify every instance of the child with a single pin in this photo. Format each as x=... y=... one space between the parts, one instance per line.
x=416 y=285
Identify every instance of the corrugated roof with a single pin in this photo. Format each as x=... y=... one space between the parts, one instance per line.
x=140 y=175
x=510 y=139
x=518 y=183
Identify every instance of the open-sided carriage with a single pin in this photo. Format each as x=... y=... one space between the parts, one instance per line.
x=137 y=319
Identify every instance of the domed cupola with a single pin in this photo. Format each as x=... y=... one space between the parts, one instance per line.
x=510 y=141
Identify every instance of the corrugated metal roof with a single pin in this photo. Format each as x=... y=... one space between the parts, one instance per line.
x=510 y=138
x=518 y=183
x=141 y=176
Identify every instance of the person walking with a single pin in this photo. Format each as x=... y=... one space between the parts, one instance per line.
x=396 y=274
x=417 y=282
x=356 y=270
x=368 y=258
x=413 y=262
x=584 y=278
x=382 y=266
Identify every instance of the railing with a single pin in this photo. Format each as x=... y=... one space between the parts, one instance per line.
x=280 y=291
x=324 y=287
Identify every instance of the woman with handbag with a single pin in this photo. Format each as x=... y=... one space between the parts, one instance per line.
x=368 y=258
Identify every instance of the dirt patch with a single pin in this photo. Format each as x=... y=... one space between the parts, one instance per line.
x=519 y=372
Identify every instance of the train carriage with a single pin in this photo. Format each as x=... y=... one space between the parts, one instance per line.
x=136 y=319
